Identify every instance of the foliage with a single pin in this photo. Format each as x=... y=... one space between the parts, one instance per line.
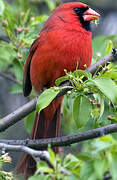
x=95 y=164
x=91 y=102
x=20 y=28
x=89 y=96
x=5 y=158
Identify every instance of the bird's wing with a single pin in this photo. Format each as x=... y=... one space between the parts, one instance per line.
x=27 y=86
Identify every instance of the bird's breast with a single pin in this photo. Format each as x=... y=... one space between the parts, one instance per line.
x=59 y=51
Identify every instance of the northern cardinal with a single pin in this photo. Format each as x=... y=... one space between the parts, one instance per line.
x=64 y=42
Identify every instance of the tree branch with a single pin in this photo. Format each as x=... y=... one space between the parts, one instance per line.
x=65 y=140
x=34 y=153
x=102 y=62
x=37 y=155
x=23 y=111
x=17 y=115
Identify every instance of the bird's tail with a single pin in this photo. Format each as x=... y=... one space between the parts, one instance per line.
x=46 y=125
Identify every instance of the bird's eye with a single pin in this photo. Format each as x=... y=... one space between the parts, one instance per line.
x=77 y=10
x=80 y=11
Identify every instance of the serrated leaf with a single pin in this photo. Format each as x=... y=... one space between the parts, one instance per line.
x=108 y=88
x=46 y=98
x=81 y=110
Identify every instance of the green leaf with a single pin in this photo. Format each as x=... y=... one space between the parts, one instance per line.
x=61 y=80
x=99 y=166
x=70 y=177
x=110 y=74
x=107 y=138
x=26 y=16
x=71 y=161
x=51 y=4
x=29 y=121
x=86 y=171
x=7 y=54
x=43 y=167
x=40 y=177
x=46 y=98
x=101 y=145
x=17 y=69
x=52 y=156
x=1 y=7
x=35 y=177
x=81 y=110
x=107 y=87
x=79 y=73
x=84 y=156
x=113 y=165
x=109 y=47
x=99 y=44
x=11 y=20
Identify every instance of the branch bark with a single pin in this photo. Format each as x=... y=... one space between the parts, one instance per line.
x=17 y=115
x=64 y=140
x=23 y=111
x=34 y=153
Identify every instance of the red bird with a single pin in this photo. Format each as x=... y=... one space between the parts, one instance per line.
x=64 y=42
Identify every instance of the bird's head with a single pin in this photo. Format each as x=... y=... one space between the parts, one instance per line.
x=76 y=11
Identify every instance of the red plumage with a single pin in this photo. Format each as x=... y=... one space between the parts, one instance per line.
x=63 y=43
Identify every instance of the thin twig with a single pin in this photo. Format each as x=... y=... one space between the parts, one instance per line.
x=32 y=152
x=23 y=111
x=9 y=77
x=64 y=140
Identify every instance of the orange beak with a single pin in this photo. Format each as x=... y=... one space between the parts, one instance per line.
x=90 y=15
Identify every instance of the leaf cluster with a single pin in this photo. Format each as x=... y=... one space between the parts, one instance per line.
x=98 y=163
x=90 y=95
x=5 y=158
